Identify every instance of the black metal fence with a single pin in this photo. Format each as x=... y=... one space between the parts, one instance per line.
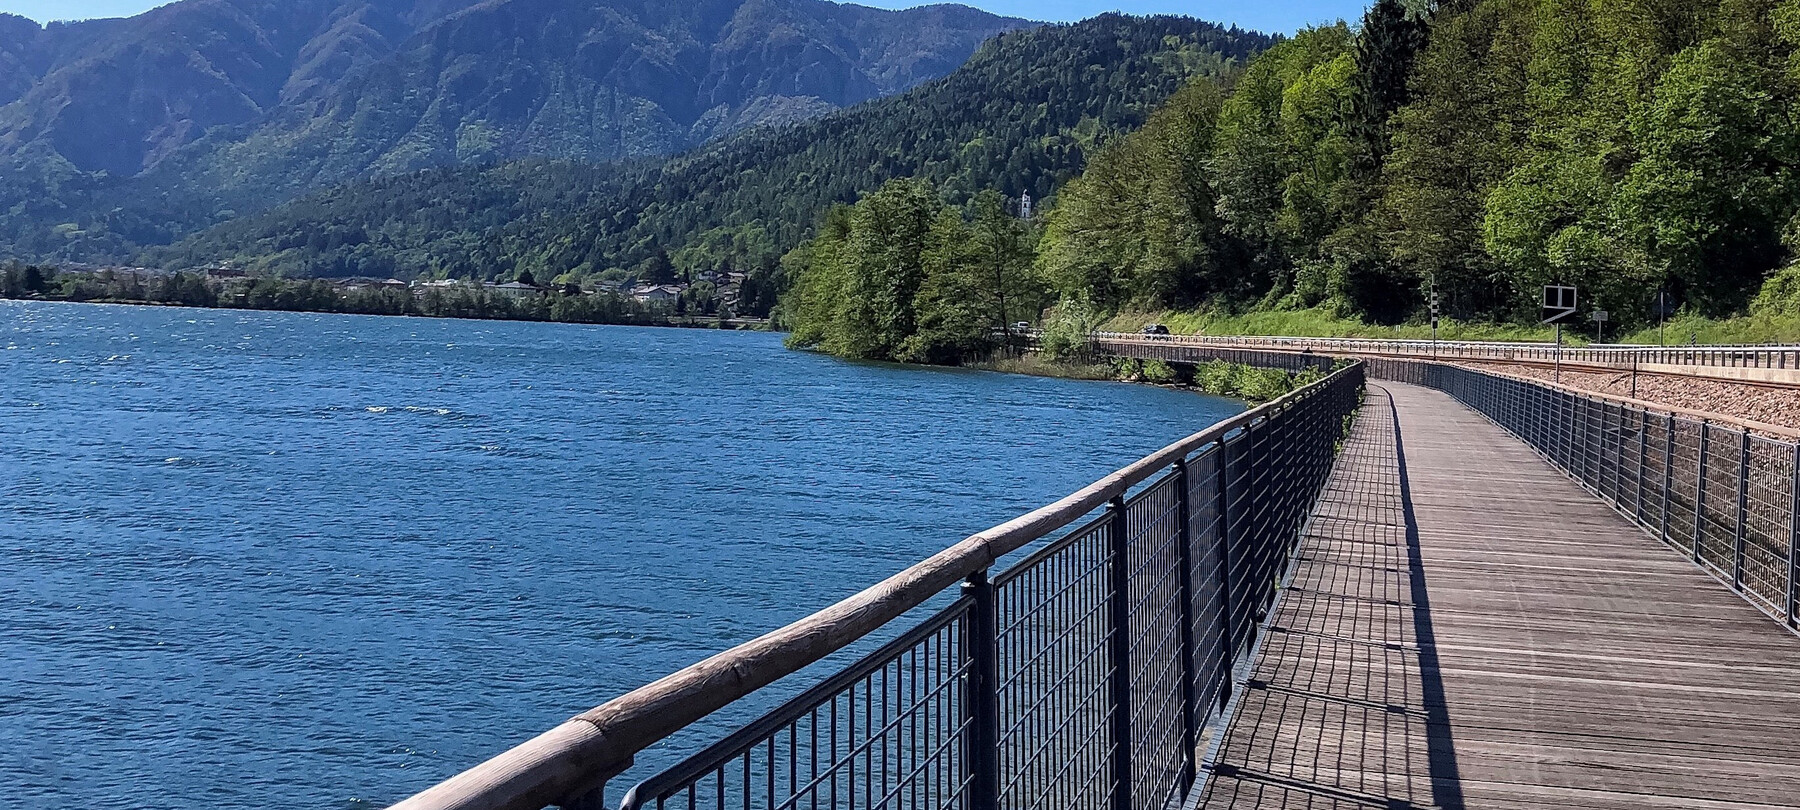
x=1780 y=357
x=1723 y=495
x=1085 y=675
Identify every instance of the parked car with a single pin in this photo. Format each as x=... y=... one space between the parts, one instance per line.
x=1022 y=326
x=1156 y=329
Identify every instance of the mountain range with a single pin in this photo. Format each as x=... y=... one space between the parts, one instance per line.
x=317 y=91
x=1021 y=116
x=482 y=137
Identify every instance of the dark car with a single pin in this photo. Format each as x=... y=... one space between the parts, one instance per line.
x=1156 y=329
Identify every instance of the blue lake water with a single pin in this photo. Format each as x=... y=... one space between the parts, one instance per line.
x=319 y=561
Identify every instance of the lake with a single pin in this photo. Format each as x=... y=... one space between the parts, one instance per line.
x=324 y=561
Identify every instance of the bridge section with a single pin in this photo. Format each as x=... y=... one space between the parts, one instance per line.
x=1467 y=627
x=1458 y=625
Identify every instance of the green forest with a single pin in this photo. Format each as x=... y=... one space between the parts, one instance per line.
x=566 y=305
x=1476 y=149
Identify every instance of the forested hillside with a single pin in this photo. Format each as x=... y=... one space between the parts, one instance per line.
x=1487 y=149
x=1481 y=148
x=1023 y=114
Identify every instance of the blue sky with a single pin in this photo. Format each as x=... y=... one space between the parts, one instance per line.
x=1283 y=16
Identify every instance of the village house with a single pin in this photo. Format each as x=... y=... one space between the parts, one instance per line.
x=420 y=288
x=656 y=294
x=730 y=295
x=517 y=289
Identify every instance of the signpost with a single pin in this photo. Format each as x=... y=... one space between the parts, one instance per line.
x=1665 y=306
x=1434 y=320
x=1599 y=319
x=1559 y=307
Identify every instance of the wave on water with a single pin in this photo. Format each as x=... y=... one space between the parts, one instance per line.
x=396 y=410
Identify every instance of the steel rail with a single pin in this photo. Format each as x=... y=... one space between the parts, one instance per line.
x=573 y=760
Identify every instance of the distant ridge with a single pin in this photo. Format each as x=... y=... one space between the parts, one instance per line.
x=335 y=88
x=1022 y=115
x=132 y=131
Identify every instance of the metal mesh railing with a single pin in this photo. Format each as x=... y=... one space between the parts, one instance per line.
x=1084 y=675
x=1780 y=357
x=1721 y=494
x=886 y=732
x=1053 y=699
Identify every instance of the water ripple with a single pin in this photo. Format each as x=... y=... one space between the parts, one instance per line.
x=314 y=561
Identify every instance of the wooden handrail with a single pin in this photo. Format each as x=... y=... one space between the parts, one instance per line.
x=566 y=762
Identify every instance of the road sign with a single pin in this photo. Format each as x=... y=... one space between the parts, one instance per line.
x=1559 y=303
x=1599 y=316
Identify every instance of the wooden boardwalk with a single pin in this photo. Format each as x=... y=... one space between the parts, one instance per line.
x=1467 y=627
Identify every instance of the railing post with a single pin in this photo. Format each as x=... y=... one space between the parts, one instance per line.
x=1743 y=510
x=1609 y=454
x=1700 y=491
x=1565 y=434
x=1119 y=610
x=983 y=753
x=1643 y=431
x=1594 y=425
x=1596 y=428
x=1793 y=577
x=1668 y=466
x=1190 y=720
x=1227 y=599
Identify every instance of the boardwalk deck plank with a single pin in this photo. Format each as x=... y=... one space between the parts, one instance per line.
x=1492 y=635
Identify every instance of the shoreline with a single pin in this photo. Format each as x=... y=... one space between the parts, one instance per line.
x=1249 y=384
x=1222 y=382
x=692 y=321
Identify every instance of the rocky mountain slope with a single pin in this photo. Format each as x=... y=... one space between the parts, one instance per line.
x=308 y=92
